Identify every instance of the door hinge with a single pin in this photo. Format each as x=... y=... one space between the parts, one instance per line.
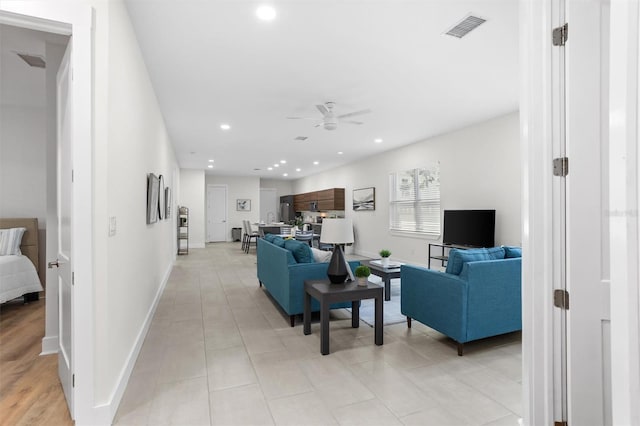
x=73 y=380
x=71 y=175
x=73 y=278
x=560 y=35
x=561 y=299
x=561 y=166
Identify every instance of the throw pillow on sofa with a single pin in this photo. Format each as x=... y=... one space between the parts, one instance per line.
x=457 y=258
x=278 y=241
x=510 y=251
x=321 y=256
x=301 y=251
x=269 y=237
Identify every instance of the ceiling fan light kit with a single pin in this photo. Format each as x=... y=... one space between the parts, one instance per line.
x=330 y=120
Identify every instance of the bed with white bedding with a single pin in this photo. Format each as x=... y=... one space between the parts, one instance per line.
x=19 y=268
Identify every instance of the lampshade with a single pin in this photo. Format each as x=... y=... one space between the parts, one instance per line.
x=337 y=231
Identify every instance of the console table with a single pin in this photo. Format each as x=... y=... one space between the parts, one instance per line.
x=443 y=257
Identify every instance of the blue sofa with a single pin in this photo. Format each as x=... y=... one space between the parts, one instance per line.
x=478 y=296
x=283 y=276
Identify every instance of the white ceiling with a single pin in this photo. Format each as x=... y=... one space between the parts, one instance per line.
x=213 y=62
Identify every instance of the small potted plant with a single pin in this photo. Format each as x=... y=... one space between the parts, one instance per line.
x=362 y=274
x=384 y=254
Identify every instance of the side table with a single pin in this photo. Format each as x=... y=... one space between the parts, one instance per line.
x=327 y=294
x=387 y=274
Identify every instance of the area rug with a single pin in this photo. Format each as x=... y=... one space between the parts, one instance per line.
x=391 y=308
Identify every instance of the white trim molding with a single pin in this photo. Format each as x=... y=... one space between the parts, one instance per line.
x=536 y=128
x=624 y=161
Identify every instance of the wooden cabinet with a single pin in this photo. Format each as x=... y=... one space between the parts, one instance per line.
x=331 y=199
x=327 y=199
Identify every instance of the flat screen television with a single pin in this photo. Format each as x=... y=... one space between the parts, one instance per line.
x=469 y=227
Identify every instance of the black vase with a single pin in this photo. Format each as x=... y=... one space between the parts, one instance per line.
x=337 y=271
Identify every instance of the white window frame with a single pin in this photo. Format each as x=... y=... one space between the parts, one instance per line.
x=420 y=226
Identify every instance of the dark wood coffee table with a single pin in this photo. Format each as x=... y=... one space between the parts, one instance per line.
x=387 y=274
x=327 y=294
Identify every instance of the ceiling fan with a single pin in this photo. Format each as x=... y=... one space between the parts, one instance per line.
x=329 y=119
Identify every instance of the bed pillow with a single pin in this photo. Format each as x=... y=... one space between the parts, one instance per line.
x=10 y=240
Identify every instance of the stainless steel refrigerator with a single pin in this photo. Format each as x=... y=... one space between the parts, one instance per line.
x=287 y=211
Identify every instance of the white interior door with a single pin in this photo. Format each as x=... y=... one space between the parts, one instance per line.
x=269 y=205
x=216 y=213
x=587 y=221
x=64 y=209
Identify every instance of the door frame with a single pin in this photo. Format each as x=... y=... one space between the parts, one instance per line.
x=536 y=133
x=77 y=21
x=624 y=224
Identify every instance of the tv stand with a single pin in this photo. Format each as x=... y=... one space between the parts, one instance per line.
x=443 y=256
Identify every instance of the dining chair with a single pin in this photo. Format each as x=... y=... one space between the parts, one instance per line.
x=251 y=235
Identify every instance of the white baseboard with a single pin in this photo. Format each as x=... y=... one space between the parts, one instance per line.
x=125 y=373
x=49 y=345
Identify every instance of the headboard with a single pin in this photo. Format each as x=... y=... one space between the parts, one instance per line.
x=29 y=246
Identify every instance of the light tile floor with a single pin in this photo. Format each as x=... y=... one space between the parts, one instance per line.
x=220 y=352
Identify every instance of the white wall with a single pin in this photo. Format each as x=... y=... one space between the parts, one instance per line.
x=131 y=267
x=479 y=169
x=282 y=187
x=192 y=195
x=238 y=188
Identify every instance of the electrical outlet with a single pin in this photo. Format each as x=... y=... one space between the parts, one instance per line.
x=112 y=226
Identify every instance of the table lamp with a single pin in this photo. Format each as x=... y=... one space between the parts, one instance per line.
x=337 y=232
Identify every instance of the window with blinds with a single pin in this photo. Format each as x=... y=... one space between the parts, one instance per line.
x=414 y=201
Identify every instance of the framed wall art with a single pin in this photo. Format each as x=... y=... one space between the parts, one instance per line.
x=161 y=205
x=243 y=205
x=364 y=199
x=167 y=200
x=153 y=186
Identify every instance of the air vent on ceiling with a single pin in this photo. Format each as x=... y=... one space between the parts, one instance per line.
x=256 y=169
x=465 y=26
x=301 y=138
x=33 y=60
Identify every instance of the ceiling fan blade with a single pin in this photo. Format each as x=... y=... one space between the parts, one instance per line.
x=323 y=109
x=351 y=122
x=351 y=114
x=302 y=118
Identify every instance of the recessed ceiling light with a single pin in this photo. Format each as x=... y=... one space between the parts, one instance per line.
x=211 y=161
x=315 y=163
x=285 y=174
x=225 y=126
x=269 y=168
x=339 y=152
x=210 y=166
x=276 y=165
x=378 y=140
x=298 y=169
x=266 y=13
x=283 y=161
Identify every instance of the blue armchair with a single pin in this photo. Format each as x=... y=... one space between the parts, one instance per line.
x=474 y=300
